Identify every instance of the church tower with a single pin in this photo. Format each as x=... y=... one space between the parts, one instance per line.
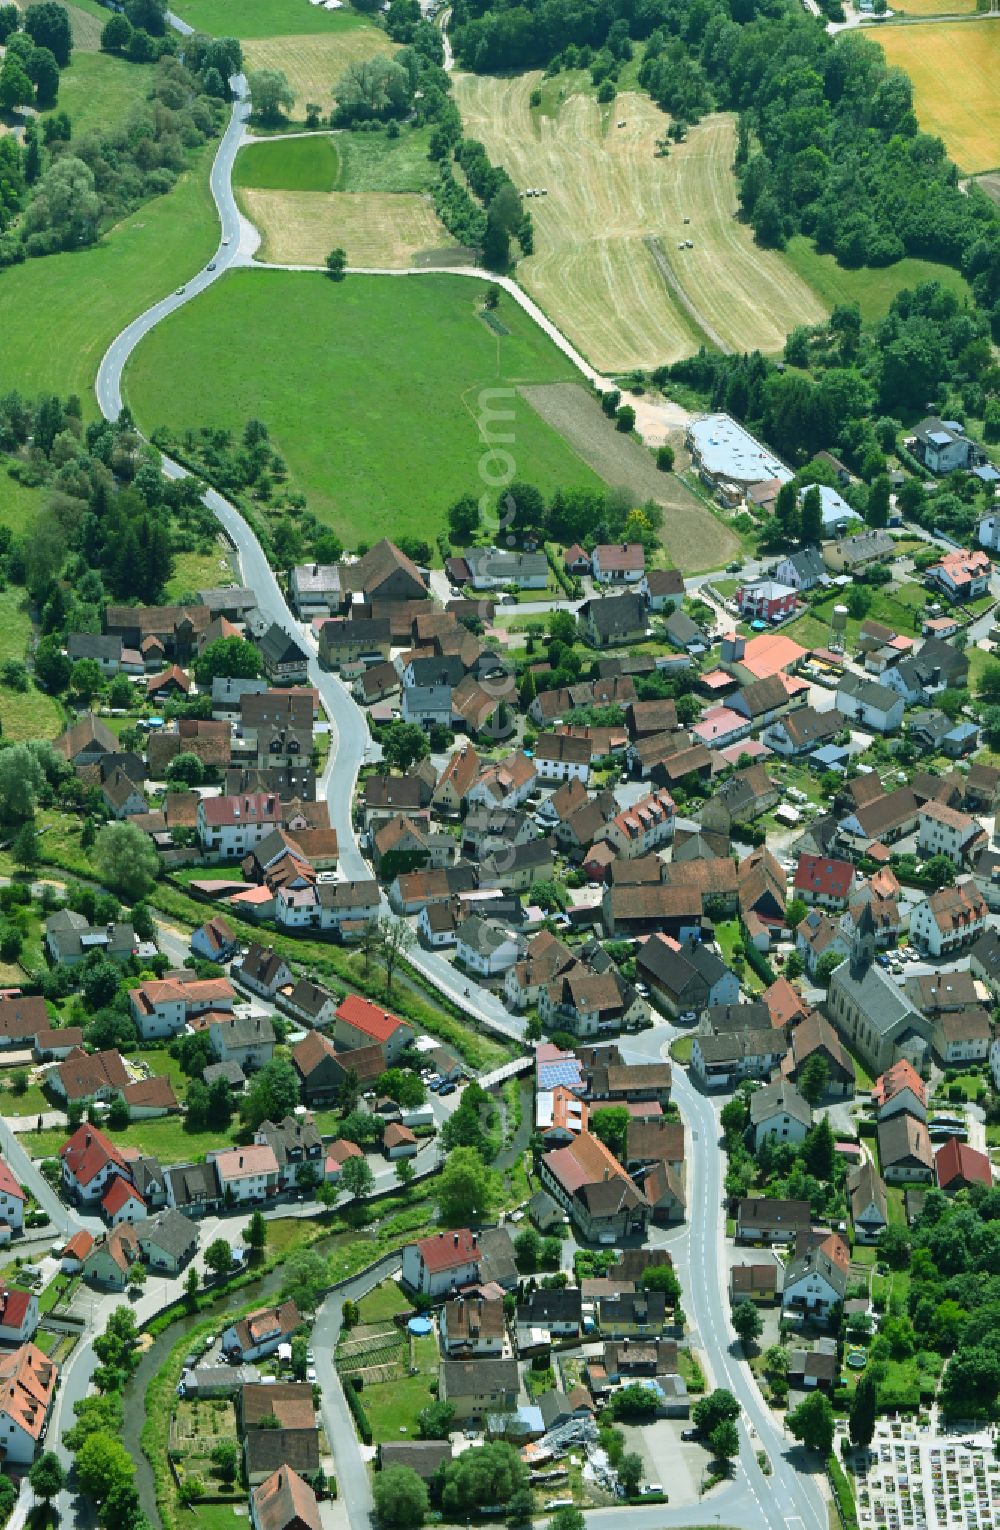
x=863 y=944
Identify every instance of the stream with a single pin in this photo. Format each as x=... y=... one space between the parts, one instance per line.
x=155 y=1357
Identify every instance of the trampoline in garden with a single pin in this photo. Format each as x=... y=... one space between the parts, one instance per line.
x=857 y=1359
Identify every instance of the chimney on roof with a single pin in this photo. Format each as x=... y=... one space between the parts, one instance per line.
x=456 y=1240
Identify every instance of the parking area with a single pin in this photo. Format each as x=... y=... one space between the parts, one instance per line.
x=679 y=1465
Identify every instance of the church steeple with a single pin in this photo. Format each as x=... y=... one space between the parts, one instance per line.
x=863 y=944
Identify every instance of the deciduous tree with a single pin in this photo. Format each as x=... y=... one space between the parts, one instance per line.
x=126 y=860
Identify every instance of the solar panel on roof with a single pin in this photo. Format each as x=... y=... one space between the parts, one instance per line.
x=551 y=1074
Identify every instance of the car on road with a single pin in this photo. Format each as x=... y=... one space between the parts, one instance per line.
x=226 y=240
x=733 y=568
x=557 y=1503
x=211 y=265
x=179 y=291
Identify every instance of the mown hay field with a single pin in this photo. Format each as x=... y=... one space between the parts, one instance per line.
x=934 y=7
x=607 y=193
x=314 y=63
x=955 y=70
x=379 y=230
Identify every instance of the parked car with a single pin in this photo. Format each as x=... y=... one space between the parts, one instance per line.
x=447 y=1089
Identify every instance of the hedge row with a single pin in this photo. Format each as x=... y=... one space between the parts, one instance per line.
x=755 y=958
x=843 y=1491
x=357 y=1407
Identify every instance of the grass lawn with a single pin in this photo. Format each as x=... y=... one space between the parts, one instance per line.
x=371 y=466
x=45 y=1144
x=393 y=1406
x=266 y=18
x=383 y=1303
x=862 y=1078
x=61 y=841
x=194 y=571
x=895 y=1285
x=99 y=90
x=161 y=1062
x=289 y=164
x=27 y=714
x=212 y=1516
x=18 y=505
x=31 y=1103
x=58 y=1286
x=680 y=1049
x=285 y=1234
x=59 y=314
x=373 y=162
x=873 y=290
x=971 y=1085
x=163 y=1138
x=893 y=607
x=895 y=1205
x=30 y=714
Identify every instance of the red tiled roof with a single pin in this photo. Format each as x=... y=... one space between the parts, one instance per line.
x=448 y=1250
x=362 y=1015
x=87 y=1152
x=902 y=1075
x=118 y=1194
x=251 y=807
x=79 y=1245
x=957 y=1160
x=27 y=1383
x=818 y=874
x=14 y=1304
x=396 y=1135
x=8 y=1184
